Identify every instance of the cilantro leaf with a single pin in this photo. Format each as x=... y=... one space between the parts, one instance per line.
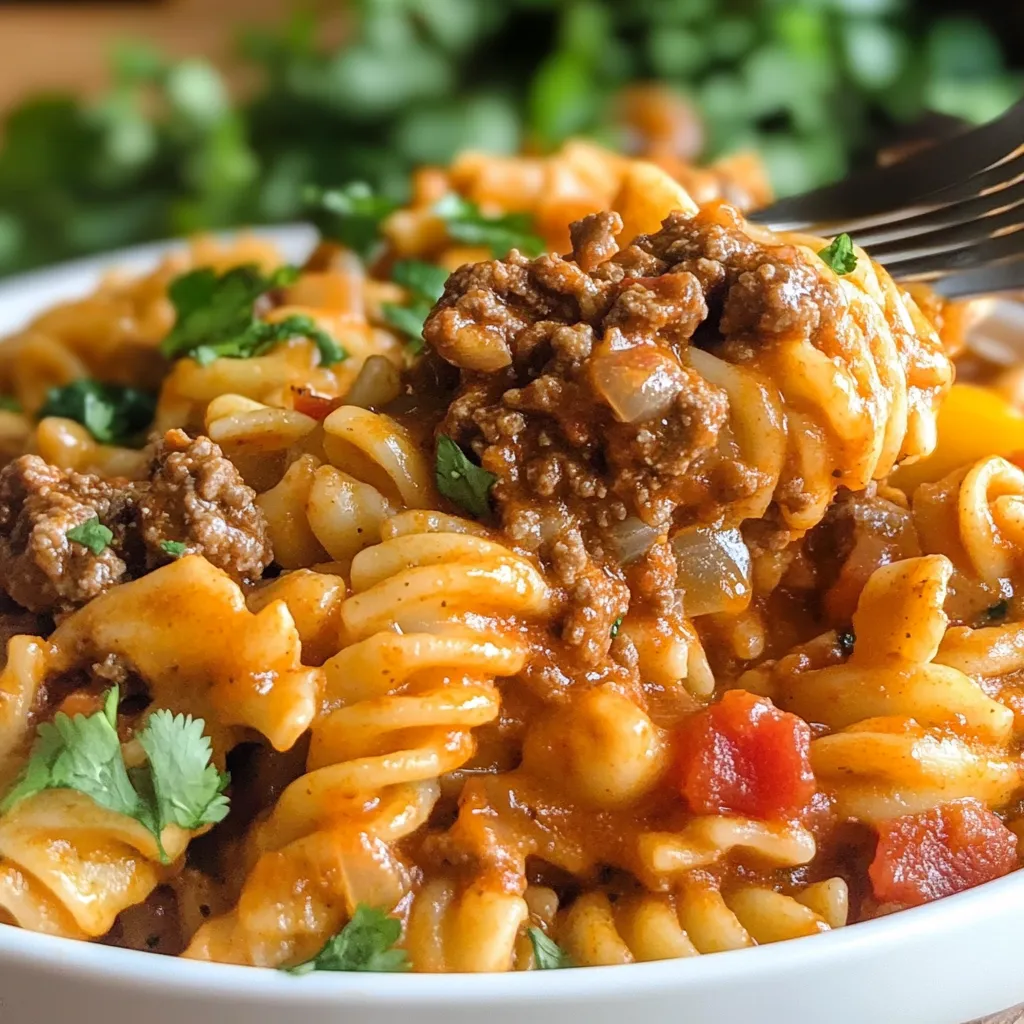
x=616 y=626
x=366 y=943
x=460 y=480
x=178 y=786
x=216 y=317
x=839 y=255
x=174 y=548
x=91 y=534
x=424 y=280
x=351 y=215
x=81 y=753
x=189 y=790
x=547 y=954
x=8 y=403
x=425 y=283
x=465 y=223
x=111 y=413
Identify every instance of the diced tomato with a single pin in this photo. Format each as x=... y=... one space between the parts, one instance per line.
x=319 y=407
x=923 y=857
x=745 y=756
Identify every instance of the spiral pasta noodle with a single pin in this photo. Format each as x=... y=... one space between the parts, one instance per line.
x=398 y=712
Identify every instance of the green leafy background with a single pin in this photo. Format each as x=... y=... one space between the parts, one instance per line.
x=812 y=84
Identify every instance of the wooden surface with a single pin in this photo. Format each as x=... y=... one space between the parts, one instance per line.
x=1014 y=1016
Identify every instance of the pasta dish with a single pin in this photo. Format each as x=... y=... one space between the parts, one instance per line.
x=558 y=570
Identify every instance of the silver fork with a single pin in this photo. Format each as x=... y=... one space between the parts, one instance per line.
x=951 y=214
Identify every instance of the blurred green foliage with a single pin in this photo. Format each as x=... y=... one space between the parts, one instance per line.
x=166 y=151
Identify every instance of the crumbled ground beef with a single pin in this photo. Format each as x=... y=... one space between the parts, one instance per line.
x=556 y=355
x=193 y=496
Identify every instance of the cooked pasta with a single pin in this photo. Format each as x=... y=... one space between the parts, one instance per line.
x=570 y=574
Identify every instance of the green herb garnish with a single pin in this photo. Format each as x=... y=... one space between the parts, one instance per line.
x=465 y=223
x=178 y=786
x=8 y=403
x=547 y=954
x=616 y=626
x=91 y=534
x=174 y=548
x=839 y=255
x=351 y=215
x=111 y=413
x=425 y=283
x=460 y=480
x=216 y=317
x=366 y=943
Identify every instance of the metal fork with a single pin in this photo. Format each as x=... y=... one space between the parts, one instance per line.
x=951 y=214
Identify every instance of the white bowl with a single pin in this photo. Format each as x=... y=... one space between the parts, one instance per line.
x=945 y=963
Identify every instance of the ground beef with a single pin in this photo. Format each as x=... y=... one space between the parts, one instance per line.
x=552 y=353
x=196 y=496
x=40 y=568
x=193 y=495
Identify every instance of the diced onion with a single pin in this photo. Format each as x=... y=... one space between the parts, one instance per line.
x=714 y=570
x=378 y=383
x=632 y=538
x=639 y=383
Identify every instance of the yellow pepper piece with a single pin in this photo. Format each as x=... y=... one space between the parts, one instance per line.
x=973 y=422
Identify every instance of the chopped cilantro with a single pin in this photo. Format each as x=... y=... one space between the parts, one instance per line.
x=91 y=534
x=366 y=943
x=547 y=954
x=111 y=413
x=216 y=317
x=351 y=215
x=8 y=403
x=998 y=611
x=174 y=548
x=460 y=480
x=502 y=233
x=846 y=641
x=616 y=626
x=425 y=284
x=839 y=255
x=179 y=786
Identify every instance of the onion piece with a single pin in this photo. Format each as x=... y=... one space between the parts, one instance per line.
x=633 y=538
x=377 y=383
x=714 y=570
x=638 y=383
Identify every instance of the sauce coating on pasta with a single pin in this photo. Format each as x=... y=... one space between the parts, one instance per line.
x=636 y=600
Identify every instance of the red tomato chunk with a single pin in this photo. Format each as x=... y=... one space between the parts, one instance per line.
x=745 y=756
x=923 y=857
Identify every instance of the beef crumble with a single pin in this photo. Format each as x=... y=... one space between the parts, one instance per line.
x=193 y=496
x=575 y=389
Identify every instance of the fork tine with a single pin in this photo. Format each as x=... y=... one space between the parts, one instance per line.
x=967 y=257
x=990 y=202
x=938 y=167
x=949 y=237
x=1004 y=277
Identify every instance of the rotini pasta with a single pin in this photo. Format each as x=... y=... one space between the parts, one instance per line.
x=591 y=612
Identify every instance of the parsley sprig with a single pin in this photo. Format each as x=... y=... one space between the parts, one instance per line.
x=425 y=285
x=111 y=413
x=178 y=786
x=366 y=943
x=465 y=222
x=216 y=317
x=91 y=534
x=460 y=480
x=547 y=954
x=840 y=254
x=351 y=215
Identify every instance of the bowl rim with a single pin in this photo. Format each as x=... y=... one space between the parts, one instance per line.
x=948 y=920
